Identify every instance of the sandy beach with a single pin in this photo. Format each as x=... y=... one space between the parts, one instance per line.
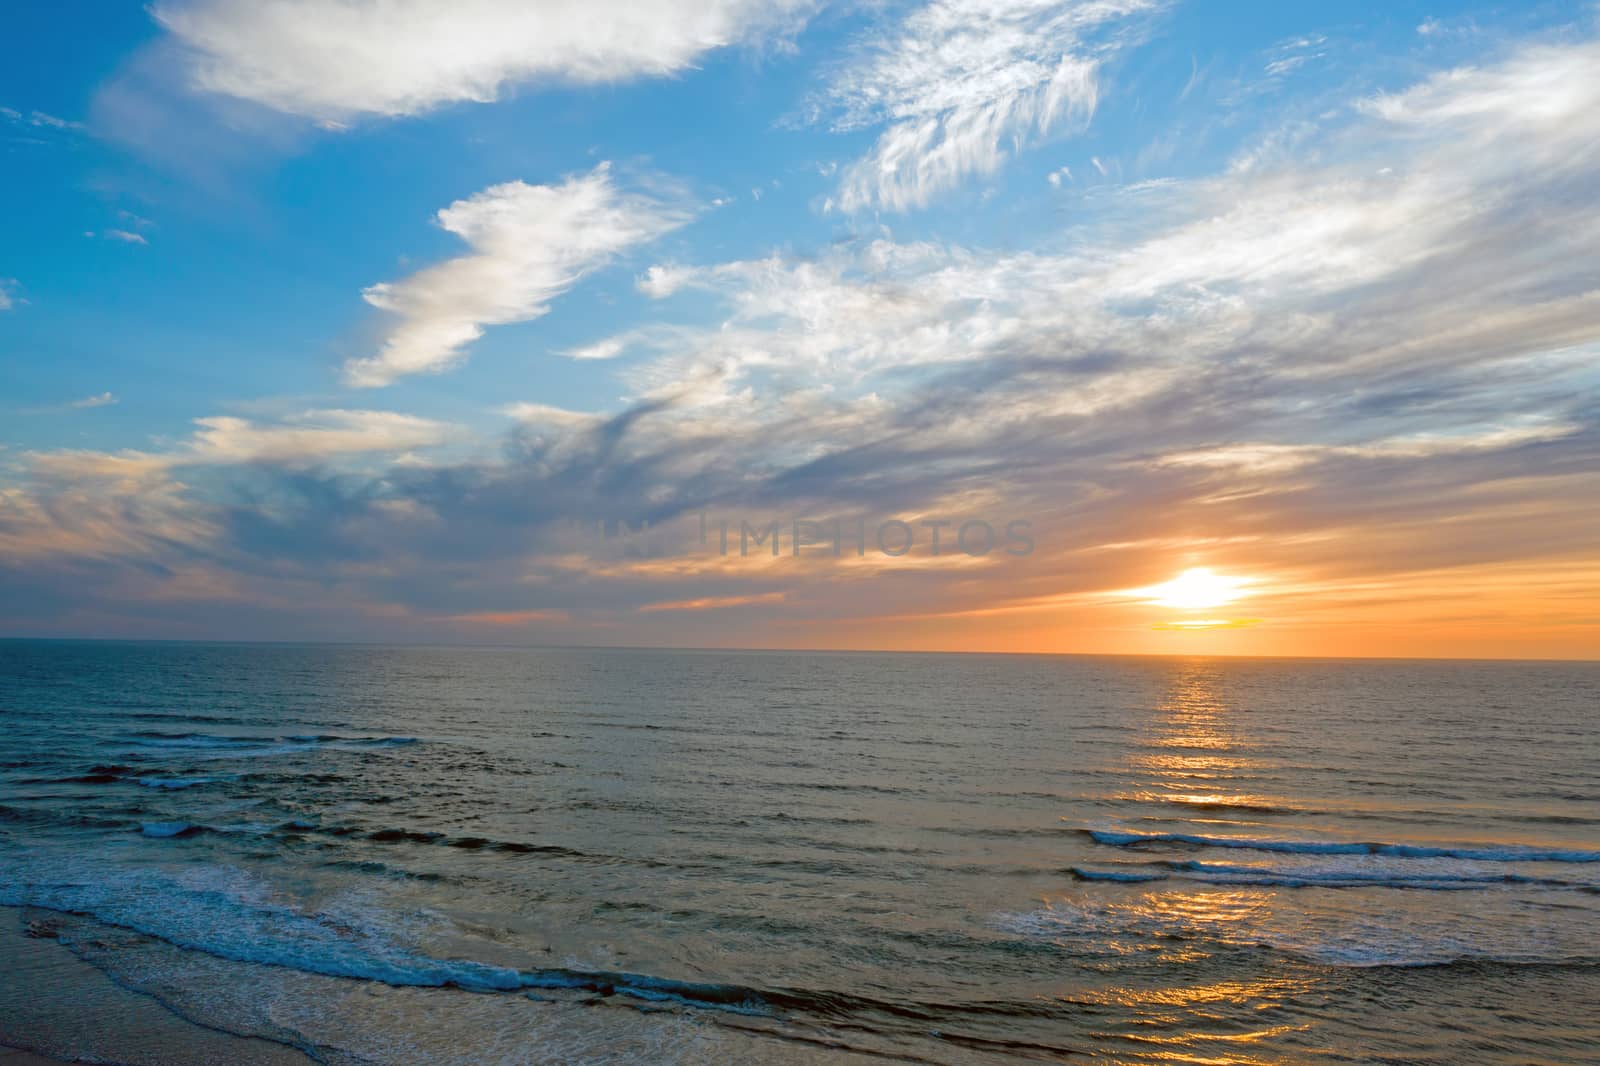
x=58 y=1008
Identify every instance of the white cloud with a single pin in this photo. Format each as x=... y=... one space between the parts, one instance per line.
x=125 y=236
x=312 y=435
x=104 y=399
x=546 y=415
x=1303 y=268
x=8 y=286
x=609 y=348
x=660 y=282
x=530 y=244
x=39 y=120
x=309 y=437
x=1293 y=54
x=332 y=62
x=1461 y=27
x=1543 y=97
x=960 y=81
x=1280 y=458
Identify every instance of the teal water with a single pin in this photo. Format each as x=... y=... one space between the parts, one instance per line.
x=406 y=854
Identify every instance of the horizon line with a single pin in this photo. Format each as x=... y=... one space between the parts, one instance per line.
x=798 y=651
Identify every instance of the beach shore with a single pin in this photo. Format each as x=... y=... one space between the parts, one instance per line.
x=184 y=1010
x=57 y=1008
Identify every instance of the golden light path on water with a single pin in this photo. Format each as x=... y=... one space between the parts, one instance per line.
x=1196 y=751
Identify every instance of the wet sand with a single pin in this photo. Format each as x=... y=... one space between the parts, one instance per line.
x=57 y=1008
x=82 y=991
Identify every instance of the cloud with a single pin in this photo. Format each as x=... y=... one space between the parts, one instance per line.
x=960 y=81
x=511 y=619
x=544 y=414
x=605 y=349
x=661 y=280
x=1289 y=56
x=39 y=118
x=38 y=121
x=125 y=236
x=714 y=603
x=103 y=399
x=376 y=58
x=8 y=298
x=1362 y=369
x=312 y=436
x=307 y=438
x=530 y=244
x=1269 y=459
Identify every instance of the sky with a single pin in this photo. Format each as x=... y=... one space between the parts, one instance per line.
x=1101 y=326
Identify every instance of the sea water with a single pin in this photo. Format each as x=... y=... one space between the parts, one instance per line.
x=369 y=854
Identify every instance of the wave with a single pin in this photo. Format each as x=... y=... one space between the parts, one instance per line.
x=151 y=738
x=99 y=774
x=1127 y=877
x=299 y=827
x=391 y=835
x=407 y=836
x=370 y=742
x=230 y=913
x=1497 y=853
x=184 y=830
x=1187 y=801
x=1326 y=877
x=171 y=783
x=1349 y=874
x=117 y=773
x=227 y=913
x=171 y=829
x=57 y=818
x=1359 y=937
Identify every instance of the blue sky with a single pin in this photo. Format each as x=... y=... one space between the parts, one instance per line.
x=278 y=283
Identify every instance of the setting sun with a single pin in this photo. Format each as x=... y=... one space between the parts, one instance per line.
x=1198 y=588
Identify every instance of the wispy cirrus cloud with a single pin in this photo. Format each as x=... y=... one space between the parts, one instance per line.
x=1290 y=55
x=40 y=123
x=375 y=58
x=959 y=84
x=530 y=244
x=122 y=235
x=99 y=399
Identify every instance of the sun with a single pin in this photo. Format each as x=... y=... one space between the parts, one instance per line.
x=1198 y=588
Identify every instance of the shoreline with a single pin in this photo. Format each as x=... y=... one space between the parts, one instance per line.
x=63 y=1008
x=60 y=1009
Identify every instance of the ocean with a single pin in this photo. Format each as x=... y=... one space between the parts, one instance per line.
x=429 y=855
